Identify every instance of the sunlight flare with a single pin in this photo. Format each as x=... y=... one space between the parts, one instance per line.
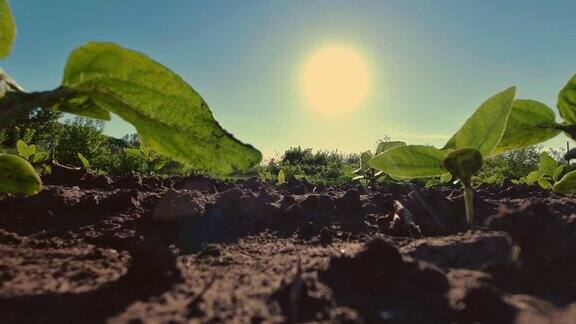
x=335 y=79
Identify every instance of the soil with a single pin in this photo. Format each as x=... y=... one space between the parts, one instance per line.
x=95 y=249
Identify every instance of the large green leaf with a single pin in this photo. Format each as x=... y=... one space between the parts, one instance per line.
x=451 y=144
x=530 y=122
x=171 y=118
x=567 y=184
x=411 y=161
x=567 y=101
x=7 y=29
x=17 y=176
x=484 y=129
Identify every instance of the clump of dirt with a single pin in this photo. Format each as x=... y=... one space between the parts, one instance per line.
x=383 y=286
x=128 y=248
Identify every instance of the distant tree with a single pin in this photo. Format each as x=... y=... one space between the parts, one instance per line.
x=41 y=127
x=85 y=136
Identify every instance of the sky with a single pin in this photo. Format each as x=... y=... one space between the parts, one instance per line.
x=431 y=62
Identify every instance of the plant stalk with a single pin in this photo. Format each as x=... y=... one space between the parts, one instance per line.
x=469 y=203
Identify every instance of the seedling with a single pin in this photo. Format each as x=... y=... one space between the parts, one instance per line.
x=84 y=161
x=548 y=172
x=462 y=165
x=281 y=178
x=104 y=78
x=154 y=162
x=33 y=155
x=365 y=173
x=462 y=155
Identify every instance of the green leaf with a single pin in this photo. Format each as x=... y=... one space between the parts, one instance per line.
x=7 y=29
x=171 y=118
x=384 y=146
x=84 y=161
x=557 y=172
x=451 y=144
x=533 y=176
x=281 y=177
x=25 y=150
x=411 y=161
x=432 y=182
x=17 y=176
x=547 y=165
x=364 y=158
x=348 y=170
x=484 y=129
x=566 y=185
x=545 y=184
x=530 y=122
x=463 y=163
x=22 y=148
x=40 y=157
x=135 y=152
x=445 y=177
x=567 y=101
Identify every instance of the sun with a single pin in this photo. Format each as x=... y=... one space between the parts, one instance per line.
x=335 y=79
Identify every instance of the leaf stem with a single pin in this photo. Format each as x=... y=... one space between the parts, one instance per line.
x=469 y=202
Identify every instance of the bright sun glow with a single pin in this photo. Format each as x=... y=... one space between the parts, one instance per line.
x=335 y=80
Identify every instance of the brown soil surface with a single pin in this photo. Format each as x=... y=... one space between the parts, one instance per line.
x=94 y=249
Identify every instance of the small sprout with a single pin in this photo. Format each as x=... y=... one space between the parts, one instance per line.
x=281 y=178
x=85 y=162
x=17 y=176
x=24 y=150
x=463 y=164
x=549 y=171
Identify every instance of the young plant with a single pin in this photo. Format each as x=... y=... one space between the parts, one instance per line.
x=38 y=159
x=461 y=157
x=549 y=171
x=281 y=178
x=104 y=78
x=84 y=161
x=154 y=162
x=462 y=165
x=365 y=173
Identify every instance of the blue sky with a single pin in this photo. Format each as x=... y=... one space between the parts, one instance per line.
x=432 y=62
